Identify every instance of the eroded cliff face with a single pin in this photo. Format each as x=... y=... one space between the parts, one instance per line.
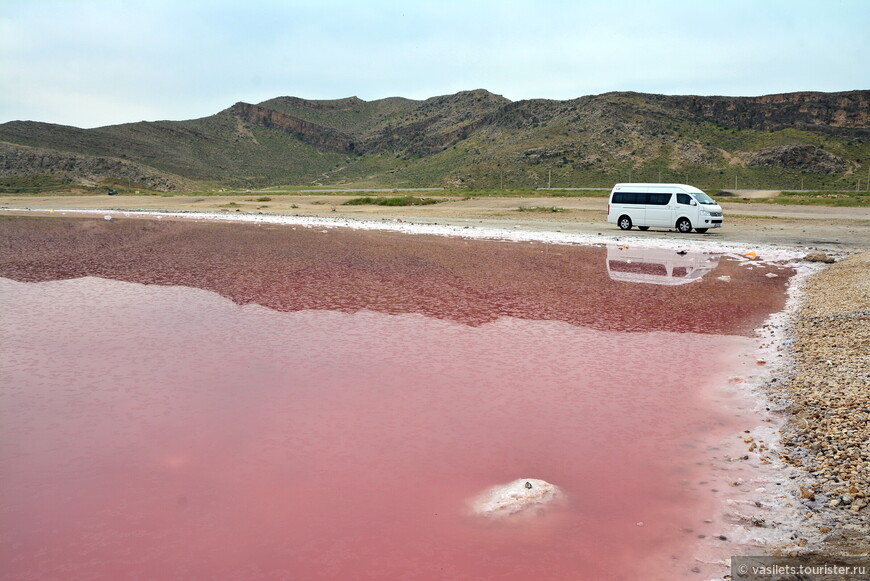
x=848 y=110
x=22 y=161
x=311 y=133
x=423 y=128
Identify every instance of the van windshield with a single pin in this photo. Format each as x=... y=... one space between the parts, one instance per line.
x=704 y=199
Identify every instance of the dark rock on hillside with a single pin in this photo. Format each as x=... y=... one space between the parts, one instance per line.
x=18 y=161
x=846 y=113
x=310 y=133
x=436 y=123
x=416 y=138
x=806 y=158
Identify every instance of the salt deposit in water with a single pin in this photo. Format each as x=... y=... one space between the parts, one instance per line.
x=518 y=497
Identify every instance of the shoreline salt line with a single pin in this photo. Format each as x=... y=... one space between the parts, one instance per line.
x=772 y=517
x=769 y=252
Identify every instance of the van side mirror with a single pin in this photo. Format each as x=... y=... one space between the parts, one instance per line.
x=693 y=203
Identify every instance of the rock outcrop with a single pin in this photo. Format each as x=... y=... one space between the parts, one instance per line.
x=801 y=157
x=832 y=112
x=22 y=161
x=311 y=133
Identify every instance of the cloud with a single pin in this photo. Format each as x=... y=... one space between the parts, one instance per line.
x=98 y=62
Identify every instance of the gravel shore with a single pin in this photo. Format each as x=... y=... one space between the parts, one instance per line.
x=826 y=397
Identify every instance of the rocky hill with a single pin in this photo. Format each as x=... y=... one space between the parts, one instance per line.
x=471 y=139
x=24 y=162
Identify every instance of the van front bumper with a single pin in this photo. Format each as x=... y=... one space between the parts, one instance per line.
x=713 y=223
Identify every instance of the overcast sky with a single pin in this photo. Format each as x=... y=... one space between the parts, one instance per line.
x=101 y=62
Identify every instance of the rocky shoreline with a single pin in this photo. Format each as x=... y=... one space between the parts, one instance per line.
x=826 y=397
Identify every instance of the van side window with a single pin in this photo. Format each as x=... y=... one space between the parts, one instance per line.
x=684 y=199
x=631 y=198
x=659 y=199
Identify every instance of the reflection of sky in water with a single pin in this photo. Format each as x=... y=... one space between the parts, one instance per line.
x=162 y=431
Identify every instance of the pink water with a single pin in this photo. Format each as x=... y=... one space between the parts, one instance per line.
x=166 y=432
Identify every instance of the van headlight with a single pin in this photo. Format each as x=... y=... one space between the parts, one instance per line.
x=705 y=213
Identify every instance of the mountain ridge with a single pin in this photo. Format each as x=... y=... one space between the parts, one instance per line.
x=468 y=139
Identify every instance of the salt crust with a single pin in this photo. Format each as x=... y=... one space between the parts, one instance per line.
x=760 y=511
x=518 y=497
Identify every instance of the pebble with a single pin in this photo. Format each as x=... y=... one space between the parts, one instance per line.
x=818 y=257
x=826 y=393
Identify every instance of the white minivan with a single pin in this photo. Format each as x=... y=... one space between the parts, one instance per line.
x=663 y=205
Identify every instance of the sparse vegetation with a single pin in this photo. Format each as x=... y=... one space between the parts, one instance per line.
x=554 y=209
x=837 y=199
x=392 y=201
x=38 y=184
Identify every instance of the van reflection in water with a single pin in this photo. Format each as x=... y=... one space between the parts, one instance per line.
x=658 y=265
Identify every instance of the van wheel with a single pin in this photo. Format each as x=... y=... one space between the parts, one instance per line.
x=684 y=226
x=644 y=228
x=624 y=222
x=701 y=230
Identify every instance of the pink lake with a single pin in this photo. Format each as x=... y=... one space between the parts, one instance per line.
x=194 y=401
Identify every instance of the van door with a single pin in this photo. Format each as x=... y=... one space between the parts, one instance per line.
x=684 y=208
x=659 y=210
x=631 y=204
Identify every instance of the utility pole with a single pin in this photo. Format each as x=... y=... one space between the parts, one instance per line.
x=549 y=178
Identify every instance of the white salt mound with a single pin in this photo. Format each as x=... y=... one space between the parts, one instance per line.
x=514 y=497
